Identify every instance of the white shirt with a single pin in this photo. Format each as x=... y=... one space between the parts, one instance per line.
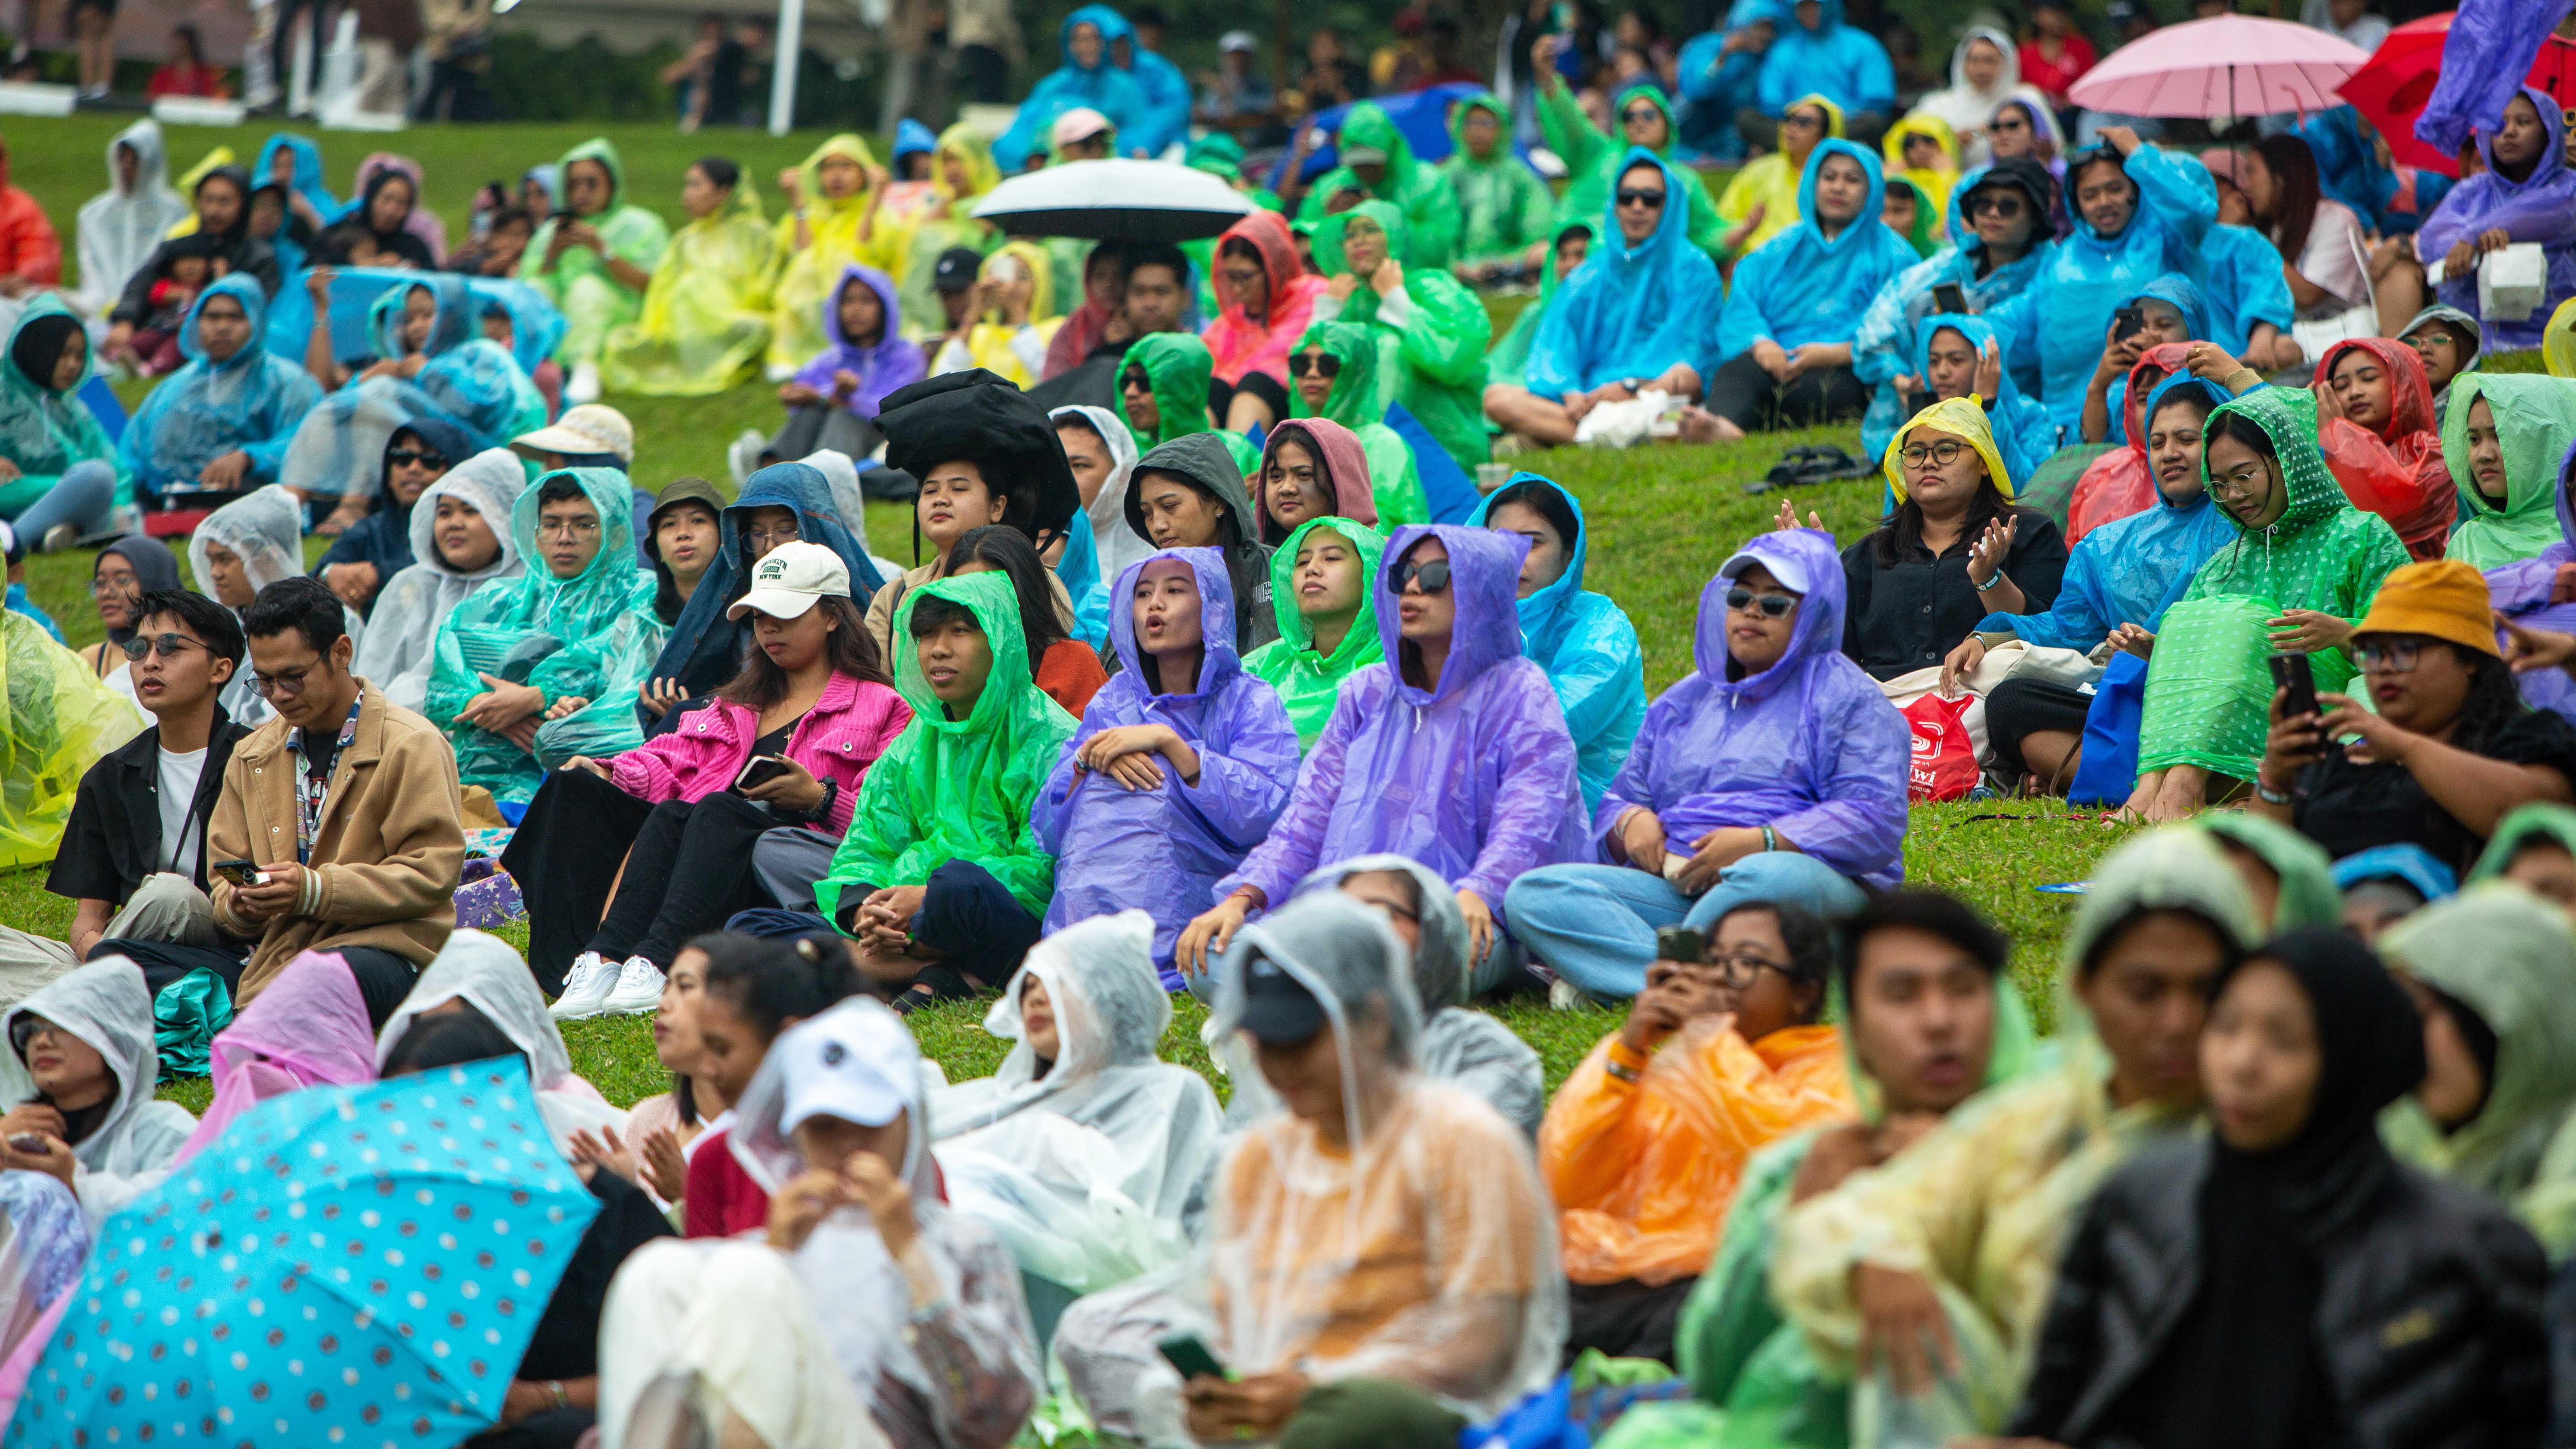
x=181 y=831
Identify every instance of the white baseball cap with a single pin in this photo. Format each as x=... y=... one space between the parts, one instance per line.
x=589 y=428
x=789 y=578
x=852 y=1062
x=1236 y=40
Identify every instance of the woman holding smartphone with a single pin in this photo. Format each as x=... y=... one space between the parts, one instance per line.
x=622 y=861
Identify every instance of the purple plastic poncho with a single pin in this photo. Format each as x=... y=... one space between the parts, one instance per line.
x=1809 y=746
x=2520 y=591
x=1474 y=779
x=888 y=364
x=307 y=1028
x=2539 y=208
x=1158 y=851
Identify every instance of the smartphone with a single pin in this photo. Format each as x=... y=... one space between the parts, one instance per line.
x=2291 y=672
x=1950 y=297
x=1185 y=1352
x=759 y=770
x=239 y=872
x=1680 y=943
x=2128 y=322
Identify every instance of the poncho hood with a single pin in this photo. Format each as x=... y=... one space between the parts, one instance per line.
x=809 y=172
x=1206 y=462
x=1328 y=233
x=1546 y=615
x=2288 y=416
x=1865 y=230
x=1628 y=310
x=1239 y=344
x=603 y=151
x=1113 y=27
x=1009 y=698
x=912 y=138
x=702 y=627
x=1829 y=18
x=2526 y=823
x=1337 y=452
x=2309 y=896
x=2178 y=868
x=607 y=584
x=1368 y=124
x=1484 y=578
x=1115 y=546
x=1492 y=105
x=456 y=321
x=1110 y=1008
x=1962 y=418
x=44 y=429
x=1218 y=661
x=105 y=1004
x=1178 y=366
x=244 y=289
x=877 y=361
x=1354 y=400
x=485 y=973
x=2410 y=393
x=2176 y=291
x=1803 y=559
x=308 y=1027
x=2165 y=358
x=2535 y=421
x=490 y=482
x=263 y=528
x=1441 y=968
x=974 y=150
x=152 y=162
x=1307 y=682
x=1980 y=334
x=308 y=179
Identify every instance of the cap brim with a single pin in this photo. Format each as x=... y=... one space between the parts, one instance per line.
x=1282 y=1019
x=777 y=603
x=848 y=1100
x=1787 y=571
x=561 y=440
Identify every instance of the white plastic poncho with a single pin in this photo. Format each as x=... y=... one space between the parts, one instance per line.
x=120 y=227
x=1119 y=546
x=483 y=972
x=1091 y=1172
x=265 y=530
x=402 y=633
x=106 y=1005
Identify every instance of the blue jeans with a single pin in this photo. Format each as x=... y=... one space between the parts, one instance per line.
x=1595 y=924
x=82 y=497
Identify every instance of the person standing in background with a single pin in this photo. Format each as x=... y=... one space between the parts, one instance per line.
x=2057 y=54
x=93 y=27
x=186 y=72
x=987 y=38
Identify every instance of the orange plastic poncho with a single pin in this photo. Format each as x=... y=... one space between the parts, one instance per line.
x=1643 y=1172
x=2119 y=482
x=2398 y=472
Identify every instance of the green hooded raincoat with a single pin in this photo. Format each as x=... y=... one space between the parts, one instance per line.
x=45 y=432
x=578 y=283
x=1504 y=208
x=1431 y=331
x=1422 y=194
x=2535 y=421
x=1309 y=682
x=1358 y=403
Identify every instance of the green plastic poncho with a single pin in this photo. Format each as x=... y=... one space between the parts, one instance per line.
x=950 y=789
x=1508 y=362
x=1178 y=365
x=593 y=636
x=706 y=318
x=2307 y=895
x=1593 y=162
x=56 y=719
x=1357 y=403
x=2535 y=421
x=593 y=302
x=1503 y=207
x=44 y=432
x=2209 y=683
x=1309 y=682
x=2524 y=824
x=807 y=275
x=1431 y=332
x=1420 y=194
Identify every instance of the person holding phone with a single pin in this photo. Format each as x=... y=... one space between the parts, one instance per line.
x=85 y=1114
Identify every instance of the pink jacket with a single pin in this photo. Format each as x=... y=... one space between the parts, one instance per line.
x=837 y=739
x=1239 y=344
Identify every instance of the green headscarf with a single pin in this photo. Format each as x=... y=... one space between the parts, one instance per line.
x=2308 y=895
x=1926 y=218
x=951 y=789
x=1308 y=682
x=1419 y=193
x=2525 y=824
x=2535 y=419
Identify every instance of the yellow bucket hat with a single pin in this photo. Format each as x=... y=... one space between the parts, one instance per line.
x=2443 y=599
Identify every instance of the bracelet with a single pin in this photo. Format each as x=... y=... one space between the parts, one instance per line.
x=1770 y=838
x=2268 y=795
x=1620 y=1070
x=555 y=1389
x=1990 y=585
x=823 y=807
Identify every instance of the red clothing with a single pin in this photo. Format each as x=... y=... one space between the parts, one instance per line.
x=175 y=79
x=2397 y=473
x=1083 y=328
x=723 y=1200
x=29 y=248
x=2053 y=77
x=1070 y=674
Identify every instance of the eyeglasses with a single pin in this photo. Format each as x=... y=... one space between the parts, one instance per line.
x=566 y=527
x=1632 y=196
x=1942 y=454
x=2388 y=656
x=1432 y=576
x=2230 y=485
x=101 y=587
x=1320 y=364
x=168 y=646
x=1740 y=969
x=289 y=682
x=2004 y=207
x=425 y=457
x=1772 y=606
x=764 y=539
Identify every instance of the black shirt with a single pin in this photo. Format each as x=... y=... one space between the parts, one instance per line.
x=566 y=1342
x=112 y=839
x=2347 y=807
x=1910 y=614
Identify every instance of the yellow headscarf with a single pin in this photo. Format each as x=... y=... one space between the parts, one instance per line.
x=1935 y=180
x=1960 y=418
x=2558 y=340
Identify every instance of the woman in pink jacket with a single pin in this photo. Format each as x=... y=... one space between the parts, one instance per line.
x=626 y=859
x=1269 y=300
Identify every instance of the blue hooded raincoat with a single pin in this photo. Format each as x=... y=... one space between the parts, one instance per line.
x=2244 y=287
x=1715 y=84
x=2024 y=432
x=250 y=401
x=1843 y=63
x=1103 y=87
x=2061 y=317
x=1589 y=650
x=1799 y=287
x=308 y=182
x=1473 y=777
x=2348 y=169
x=1159 y=850
x=1884 y=349
x=1629 y=311
x=1809 y=746
x=1165 y=116
x=2177 y=292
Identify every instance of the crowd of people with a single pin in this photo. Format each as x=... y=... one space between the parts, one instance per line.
x=1231 y=661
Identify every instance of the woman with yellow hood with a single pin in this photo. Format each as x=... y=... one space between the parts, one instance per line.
x=1924 y=150
x=830 y=199
x=1762 y=201
x=961 y=169
x=706 y=314
x=1015 y=318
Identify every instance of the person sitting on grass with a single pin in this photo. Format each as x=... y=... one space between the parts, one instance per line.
x=1582 y=639
x=221 y=423
x=83 y=1068
x=1326 y=614
x=1312 y=468
x=1437 y=327
x=369 y=552
x=460 y=535
x=1189 y=493
x=1959 y=356
x=2381 y=440
x=481 y=977
x=1332 y=375
x=2504 y=440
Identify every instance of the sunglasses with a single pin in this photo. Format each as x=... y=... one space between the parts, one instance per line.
x=1650 y=200
x=1641 y=113
x=168 y=646
x=1431 y=577
x=2005 y=207
x=1803 y=120
x=1772 y=606
x=1135 y=381
x=2011 y=123
x=425 y=457
x=1316 y=364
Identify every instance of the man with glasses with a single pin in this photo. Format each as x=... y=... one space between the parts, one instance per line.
x=133 y=857
x=337 y=826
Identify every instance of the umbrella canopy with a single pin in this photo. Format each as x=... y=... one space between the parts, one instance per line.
x=2393 y=89
x=2234 y=65
x=1119 y=200
x=345 y=1265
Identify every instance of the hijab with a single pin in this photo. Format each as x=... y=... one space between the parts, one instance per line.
x=156 y=569
x=402 y=240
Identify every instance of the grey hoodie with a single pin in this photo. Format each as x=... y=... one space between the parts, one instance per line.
x=1203 y=460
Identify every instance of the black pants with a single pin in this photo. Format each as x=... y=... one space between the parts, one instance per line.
x=1752 y=399
x=1626 y=1319
x=966 y=916
x=2020 y=708
x=690 y=869
x=565 y=857
x=383 y=978
x=281 y=51
x=812 y=427
x=985 y=74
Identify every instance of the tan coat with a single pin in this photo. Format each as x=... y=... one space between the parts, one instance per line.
x=389 y=853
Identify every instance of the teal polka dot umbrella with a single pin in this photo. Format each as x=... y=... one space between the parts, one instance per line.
x=358 y=1266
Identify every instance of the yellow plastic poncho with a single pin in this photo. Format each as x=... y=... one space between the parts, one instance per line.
x=56 y=719
x=592 y=301
x=1771 y=183
x=706 y=316
x=1014 y=353
x=808 y=274
x=961 y=170
x=1935 y=180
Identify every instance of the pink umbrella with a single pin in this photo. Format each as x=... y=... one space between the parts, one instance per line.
x=2234 y=65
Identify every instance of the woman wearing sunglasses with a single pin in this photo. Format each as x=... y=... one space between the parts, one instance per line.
x=1453 y=752
x=1333 y=375
x=1773 y=772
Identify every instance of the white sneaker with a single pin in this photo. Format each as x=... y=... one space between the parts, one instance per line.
x=743 y=455
x=583 y=385
x=638 y=989
x=586 y=984
x=1562 y=995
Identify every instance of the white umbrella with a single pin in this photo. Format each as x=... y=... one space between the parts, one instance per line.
x=1119 y=200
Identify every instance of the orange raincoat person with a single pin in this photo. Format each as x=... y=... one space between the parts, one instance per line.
x=2119 y=483
x=31 y=252
x=2395 y=469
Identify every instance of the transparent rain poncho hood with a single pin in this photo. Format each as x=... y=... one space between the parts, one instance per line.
x=56 y=718
x=706 y=316
x=1115 y=545
x=483 y=971
x=1802 y=286
x=44 y=431
x=1093 y=1171
x=265 y=530
x=307 y=1027
x=1809 y=746
x=465 y=378
x=2535 y=424
x=402 y=631
x=593 y=635
x=106 y=1004
x=1629 y=311
x=1120 y=847
x=250 y=401
x=1307 y=682
x=120 y=228
x=1589 y=649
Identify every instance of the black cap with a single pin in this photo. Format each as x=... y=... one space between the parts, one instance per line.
x=956 y=269
x=1277 y=1008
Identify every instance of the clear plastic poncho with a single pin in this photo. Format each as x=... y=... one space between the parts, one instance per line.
x=1419 y=193
x=808 y=279
x=307 y=1027
x=265 y=530
x=1308 y=683
x=120 y=228
x=1431 y=344
x=401 y=644
x=1802 y=286
x=1629 y=311
x=106 y=1004
x=1115 y=544
x=593 y=636
x=1589 y=649
x=484 y=972
x=250 y=401
x=706 y=317
x=592 y=302
x=1092 y=1172
x=56 y=718
x=2535 y=425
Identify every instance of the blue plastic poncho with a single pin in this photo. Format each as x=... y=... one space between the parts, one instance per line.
x=1165 y=116
x=1799 y=287
x=536 y=326
x=464 y=379
x=250 y=401
x=1474 y=777
x=1715 y=84
x=1885 y=346
x=2539 y=208
x=593 y=636
x=1629 y=311
x=2177 y=292
x=1589 y=650
x=2024 y=432
x=1809 y=746
x=2128 y=571
x=1078 y=569
x=1159 y=850
x=705 y=648
x=2349 y=170
x=1843 y=63
x=308 y=182
x=46 y=431
x=2244 y=286
x=2063 y=315
x=1103 y=87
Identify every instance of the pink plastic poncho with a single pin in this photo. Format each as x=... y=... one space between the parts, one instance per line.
x=1238 y=343
x=307 y=1028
